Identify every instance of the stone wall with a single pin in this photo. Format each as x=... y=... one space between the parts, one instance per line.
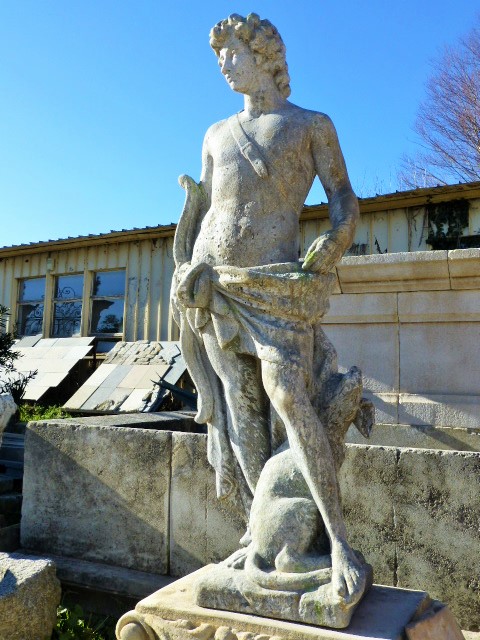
x=411 y=322
x=145 y=499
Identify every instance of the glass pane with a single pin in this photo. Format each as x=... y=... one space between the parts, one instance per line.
x=104 y=346
x=109 y=283
x=30 y=319
x=66 y=319
x=32 y=289
x=107 y=316
x=69 y=287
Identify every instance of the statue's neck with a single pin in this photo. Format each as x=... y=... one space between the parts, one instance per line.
x=262 y=102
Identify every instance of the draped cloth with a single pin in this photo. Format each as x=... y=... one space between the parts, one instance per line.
x=267 y=311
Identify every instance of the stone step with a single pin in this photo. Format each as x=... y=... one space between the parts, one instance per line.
x=105 y=578
x=12 y=472
x=10 y=538
x=12 y=451
x=7 y=519
x=6 y=484
x=10 y=502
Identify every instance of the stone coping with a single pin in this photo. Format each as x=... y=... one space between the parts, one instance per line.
x=410 y=271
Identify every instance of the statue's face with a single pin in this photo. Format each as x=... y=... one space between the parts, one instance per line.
x=237 y=64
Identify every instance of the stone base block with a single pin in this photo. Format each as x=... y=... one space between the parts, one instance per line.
x=223 y=587
x=385 y=613
x=29 y=596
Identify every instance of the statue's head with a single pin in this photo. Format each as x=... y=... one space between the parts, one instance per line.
x=263 y=40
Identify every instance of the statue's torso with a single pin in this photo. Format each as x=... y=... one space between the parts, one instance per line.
x=254 y=220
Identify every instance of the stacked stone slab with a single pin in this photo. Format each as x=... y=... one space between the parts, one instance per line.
x=29 y=596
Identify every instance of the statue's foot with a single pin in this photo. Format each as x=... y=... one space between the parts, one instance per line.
x=237 y=559
x=349 y=573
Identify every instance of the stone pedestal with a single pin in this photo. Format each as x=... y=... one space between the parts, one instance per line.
x=385 y=613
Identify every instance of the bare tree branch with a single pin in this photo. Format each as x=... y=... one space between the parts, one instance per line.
x=448 y=120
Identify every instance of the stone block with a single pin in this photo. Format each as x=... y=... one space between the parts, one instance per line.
x=367 y=482
x=409 y=271
x=456 y=411
x=171 y=613
x=464 y=266
x=372 y=347
x=98 y=493
x=203 y=529
x=440 y=358
x=418 y=436
x=362 y=308
x=439 y=306
x=386 y=407
x=29 y=596
x=438 y=536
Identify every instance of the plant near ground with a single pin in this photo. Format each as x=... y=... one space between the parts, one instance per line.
x=12 y=381
x=30 y=412
x=74 y=624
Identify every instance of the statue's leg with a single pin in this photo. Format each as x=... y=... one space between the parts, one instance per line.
x=247 y=406
x=287 y=388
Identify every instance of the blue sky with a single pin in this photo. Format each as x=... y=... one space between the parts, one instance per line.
x=103 y=104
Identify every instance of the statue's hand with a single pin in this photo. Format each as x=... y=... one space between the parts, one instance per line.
x=193 y=288
x=324 y=253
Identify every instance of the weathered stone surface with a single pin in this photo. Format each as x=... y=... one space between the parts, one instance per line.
x=171 y=612
x=439 y=306
x=107 y=578
x=109 y=498
x=409 y=271
x=7 y=410
x=437 y=520
x=464 y=266
x=350 y=308
x=367 y=481
x=419 y=437
x=29 y=595
x=453 y=362
x=249 y=314
x=437 y=622
x=380 y=374
x=203 y=529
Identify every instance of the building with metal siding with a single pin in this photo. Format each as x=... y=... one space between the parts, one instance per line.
x=390 y=223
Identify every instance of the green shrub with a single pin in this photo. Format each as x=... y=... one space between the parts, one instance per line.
x=39 y=412
x=74 y=624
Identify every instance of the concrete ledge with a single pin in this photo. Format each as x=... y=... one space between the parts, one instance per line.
x=106 y=578
x=418 y=436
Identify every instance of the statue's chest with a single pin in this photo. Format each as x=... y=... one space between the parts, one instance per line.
x=275 y=139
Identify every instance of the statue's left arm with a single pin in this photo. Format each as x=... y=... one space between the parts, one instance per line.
x=330 y=167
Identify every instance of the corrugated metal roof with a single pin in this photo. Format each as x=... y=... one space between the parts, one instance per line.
x=123 y=235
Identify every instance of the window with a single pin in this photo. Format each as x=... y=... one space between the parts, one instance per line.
x=31 y=295
x=108 y=301
x=67 y=306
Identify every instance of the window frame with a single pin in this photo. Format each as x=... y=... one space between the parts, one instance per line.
x=22 y=303
x=55 y=300
x=112 y=337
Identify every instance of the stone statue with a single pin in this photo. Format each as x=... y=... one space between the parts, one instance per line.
x=249 y=313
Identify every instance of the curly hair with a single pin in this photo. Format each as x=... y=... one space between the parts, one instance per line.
x=262 y=38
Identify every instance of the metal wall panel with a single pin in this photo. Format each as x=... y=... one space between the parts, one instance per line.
x=149 y=268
